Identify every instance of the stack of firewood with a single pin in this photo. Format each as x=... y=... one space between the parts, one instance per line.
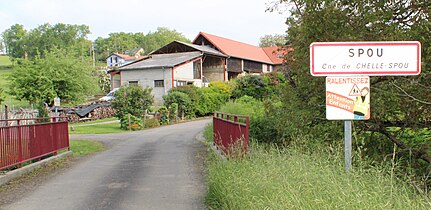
x=103 y=111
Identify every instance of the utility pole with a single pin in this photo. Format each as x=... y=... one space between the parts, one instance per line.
x=93 y=56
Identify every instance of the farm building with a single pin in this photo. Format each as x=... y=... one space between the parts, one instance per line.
x=209 y=58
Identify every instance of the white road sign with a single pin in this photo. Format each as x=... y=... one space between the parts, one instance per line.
x=348 y=98
x=365 y=58
x=56 y=101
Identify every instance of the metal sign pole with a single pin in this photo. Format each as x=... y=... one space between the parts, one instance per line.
x=56 y=114
x=348 y=144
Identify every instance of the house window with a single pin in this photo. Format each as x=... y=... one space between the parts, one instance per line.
x=131 y=83
x=181 y=83
x=159 y=83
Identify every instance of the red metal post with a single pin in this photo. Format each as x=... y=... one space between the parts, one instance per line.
x=19 y=144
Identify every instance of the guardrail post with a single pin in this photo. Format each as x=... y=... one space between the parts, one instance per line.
x=20 y=147
x=247 y=124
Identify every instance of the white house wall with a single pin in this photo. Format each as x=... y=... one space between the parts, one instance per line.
x=120 y=61
x=146 y=78
x=184 y=72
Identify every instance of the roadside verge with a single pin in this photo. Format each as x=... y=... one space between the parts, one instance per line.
x=10 y=175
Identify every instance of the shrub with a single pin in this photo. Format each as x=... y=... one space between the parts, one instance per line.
x=164 y=115
x=191 y=91
x=259 y=86
x=185 y=105
x=209 y=100
x=151 y=123
x=245 y=105
x=173 y=112
x=131 y=122
x=133 y=100
x=222 y=87
x=255 y=86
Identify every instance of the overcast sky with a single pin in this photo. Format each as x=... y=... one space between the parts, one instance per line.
x=241 y=20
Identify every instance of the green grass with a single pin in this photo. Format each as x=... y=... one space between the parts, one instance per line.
x=97 y=129
x=271 y=178
x=95 y=121
x=4 y=74
x=85 y=147
x=5 y=61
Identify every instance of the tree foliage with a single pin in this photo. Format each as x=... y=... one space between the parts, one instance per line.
x=398 y=105
x=14 y=40
x=161 y=37
x=57 y=74
x=272 y=40
x=124 y=42
x=21 y=43
x=258 y=86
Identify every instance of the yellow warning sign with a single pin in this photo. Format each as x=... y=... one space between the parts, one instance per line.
x=348 y=98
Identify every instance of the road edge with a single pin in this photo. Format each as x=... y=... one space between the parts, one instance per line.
x=11 y=175
x=200 y=137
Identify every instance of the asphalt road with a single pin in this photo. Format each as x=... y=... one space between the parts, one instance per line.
x=159 y=168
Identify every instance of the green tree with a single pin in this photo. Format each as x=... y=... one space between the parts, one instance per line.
x=58 y=74
x=121 y=42
x=132 y=100
x=161 y=37
x=272 y=40
x=45 y=38
x=399 y=105
x=13 y=39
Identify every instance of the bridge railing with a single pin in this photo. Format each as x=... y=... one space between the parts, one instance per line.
x=231 y=133
x=23 y=140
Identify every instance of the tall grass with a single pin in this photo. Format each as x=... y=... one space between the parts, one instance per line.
x=293 y=178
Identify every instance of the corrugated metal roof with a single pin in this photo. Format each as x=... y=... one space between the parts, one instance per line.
x=236 y=49
x=178 y=46
x=162 y=60
x=203 y=48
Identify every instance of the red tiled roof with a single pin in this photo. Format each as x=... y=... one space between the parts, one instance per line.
x=236 y=49
x=276 y=53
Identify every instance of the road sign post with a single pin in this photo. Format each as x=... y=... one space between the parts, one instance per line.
x=348 y=144
x=348 y=66
x=56 y=105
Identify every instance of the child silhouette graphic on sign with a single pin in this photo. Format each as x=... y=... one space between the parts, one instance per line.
x=361 y=109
